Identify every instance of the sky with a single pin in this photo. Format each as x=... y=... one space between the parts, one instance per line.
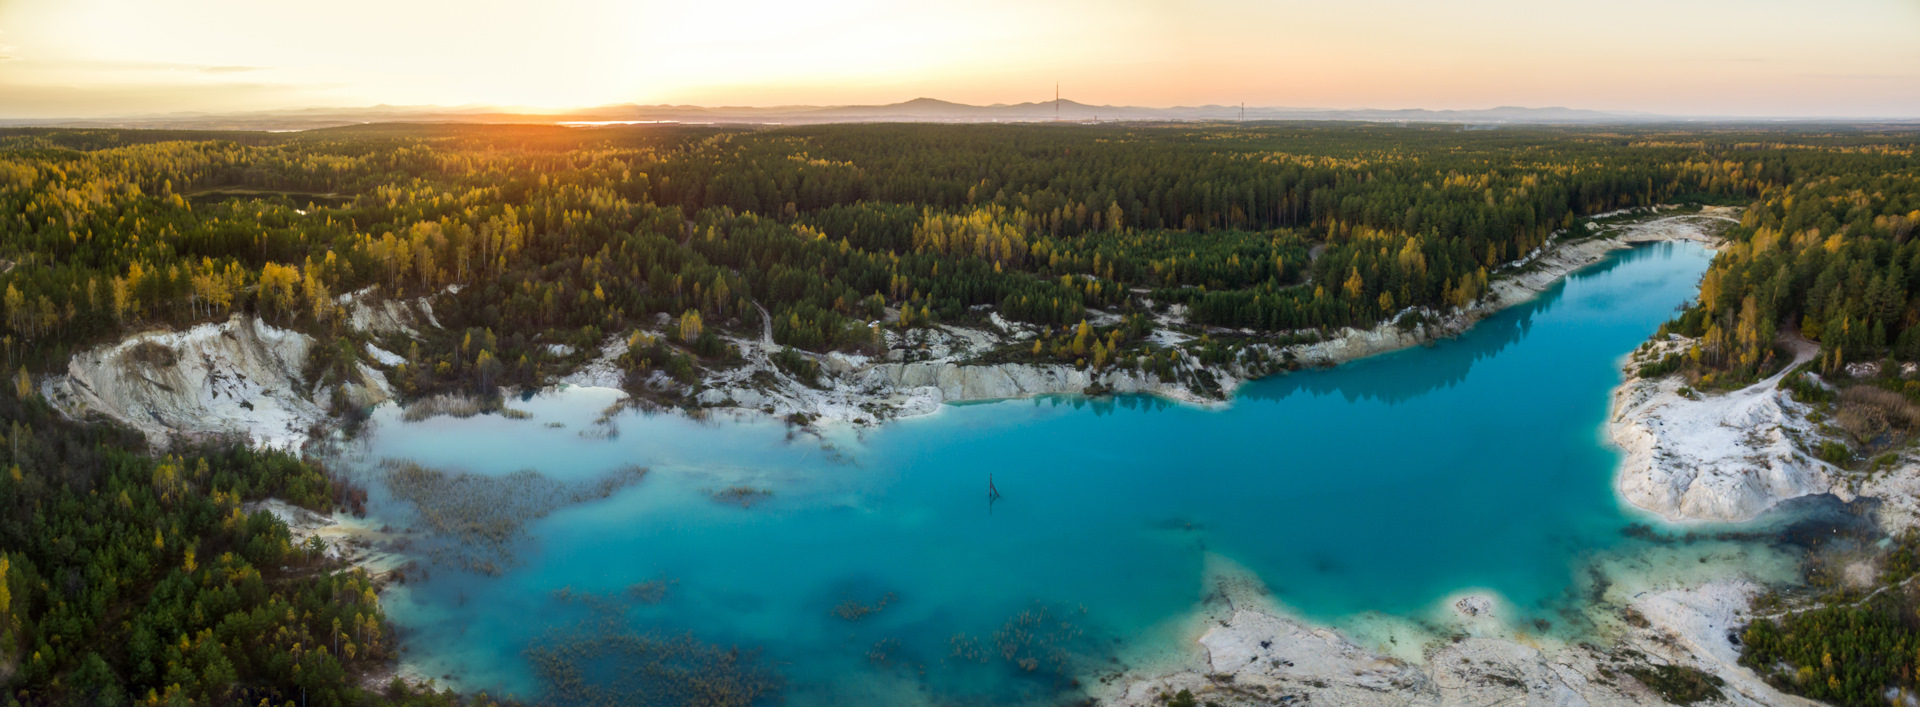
x=1804 y=58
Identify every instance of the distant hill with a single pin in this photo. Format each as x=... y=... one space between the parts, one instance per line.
x=916 y=110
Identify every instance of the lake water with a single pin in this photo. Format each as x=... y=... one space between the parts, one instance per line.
x=1375 y=489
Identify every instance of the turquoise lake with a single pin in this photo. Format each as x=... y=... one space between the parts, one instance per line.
x=1379 y=487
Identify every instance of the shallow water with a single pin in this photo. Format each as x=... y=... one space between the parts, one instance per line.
x=1377 y=488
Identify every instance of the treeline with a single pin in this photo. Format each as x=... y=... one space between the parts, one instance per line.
x=1407 y=216
x=129 y=579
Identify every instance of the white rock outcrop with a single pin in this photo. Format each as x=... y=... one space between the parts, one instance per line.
x=1898 y=489
x=1259 y=657
x=240 y=377
x=1721 y=457
x=366 y=310
x=950 y=381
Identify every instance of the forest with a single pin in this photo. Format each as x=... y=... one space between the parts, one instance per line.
x=1832 y=256
x=136 y=578
x=132 y=579
x=536 y=235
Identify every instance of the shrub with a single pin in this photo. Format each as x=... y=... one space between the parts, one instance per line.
x=1866 y=412
x=709 y=346
x=797 y=365
x=1805 y=390
x=681 y=368
x=1835 y=453
x=1670 y=363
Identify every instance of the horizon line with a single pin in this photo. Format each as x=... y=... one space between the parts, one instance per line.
x=477 y=109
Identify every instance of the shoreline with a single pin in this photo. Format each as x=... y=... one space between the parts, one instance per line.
x=868 y=391
x=921 y=370
x=1663 y=606
x=1725 y=456
x=357 y=544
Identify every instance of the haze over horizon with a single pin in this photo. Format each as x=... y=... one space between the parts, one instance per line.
x=101 y=58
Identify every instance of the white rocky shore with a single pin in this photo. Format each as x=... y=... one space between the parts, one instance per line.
x=1714 y=456
x=925 y=368
x=244 y=377
x=1251 y=652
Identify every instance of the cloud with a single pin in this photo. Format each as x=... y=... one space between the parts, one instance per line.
x=126 y=66
x=28 y=100
x=1865 y=77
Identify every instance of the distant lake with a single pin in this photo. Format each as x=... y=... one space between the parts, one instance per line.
x=1375 y=489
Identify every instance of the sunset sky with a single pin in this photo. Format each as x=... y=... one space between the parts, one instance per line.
x=1838 y=58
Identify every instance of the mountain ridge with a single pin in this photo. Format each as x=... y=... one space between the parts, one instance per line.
x=920 y=109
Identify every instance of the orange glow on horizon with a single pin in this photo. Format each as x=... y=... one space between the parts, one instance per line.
x=1721 y=57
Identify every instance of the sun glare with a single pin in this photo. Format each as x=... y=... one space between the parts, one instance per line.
x=103 y=56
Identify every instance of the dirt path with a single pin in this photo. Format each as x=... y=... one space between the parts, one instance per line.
x=766 y=326
x=1803 y=351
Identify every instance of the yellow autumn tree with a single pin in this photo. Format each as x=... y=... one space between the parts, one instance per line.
x=6 y=599
x=690 y=326
x=1753 y=335
x=122 y=299
x=277 y=284
x=18 y=317
x=318 y=299
x=991 y=233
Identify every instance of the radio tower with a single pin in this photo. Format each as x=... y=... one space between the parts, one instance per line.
x=1056 y=101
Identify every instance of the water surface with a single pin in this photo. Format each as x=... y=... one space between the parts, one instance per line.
x=1375 y=488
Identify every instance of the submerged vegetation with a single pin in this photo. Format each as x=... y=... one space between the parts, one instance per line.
x=605 y=662
x=1041 y=638
x=853 y=610
x=652 y=591
x=742 y=495
x=476 y=520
